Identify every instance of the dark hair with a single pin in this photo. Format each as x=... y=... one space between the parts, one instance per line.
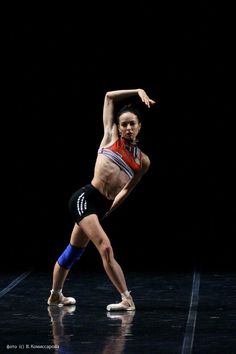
x=128 y=108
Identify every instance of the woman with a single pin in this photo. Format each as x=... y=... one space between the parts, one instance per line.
x=119 y=167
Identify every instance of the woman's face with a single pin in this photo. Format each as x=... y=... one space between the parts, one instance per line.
x=129 y=125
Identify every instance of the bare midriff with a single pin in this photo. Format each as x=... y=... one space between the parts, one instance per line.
x=108 y=178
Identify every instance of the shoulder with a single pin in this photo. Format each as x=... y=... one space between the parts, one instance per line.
x=145 y=162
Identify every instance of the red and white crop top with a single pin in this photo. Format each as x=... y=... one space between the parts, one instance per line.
x=124 y=154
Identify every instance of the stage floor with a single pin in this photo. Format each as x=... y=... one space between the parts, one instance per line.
x=190 y=312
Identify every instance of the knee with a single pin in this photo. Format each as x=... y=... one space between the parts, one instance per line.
x=70 y=256
x=106 y=252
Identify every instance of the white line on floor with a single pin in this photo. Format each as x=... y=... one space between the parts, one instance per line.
x=192 y=315
x=14 y=283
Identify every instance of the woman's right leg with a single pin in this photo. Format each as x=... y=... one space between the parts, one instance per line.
x=78 y=242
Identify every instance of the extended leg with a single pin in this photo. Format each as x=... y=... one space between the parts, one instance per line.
x=97 y=235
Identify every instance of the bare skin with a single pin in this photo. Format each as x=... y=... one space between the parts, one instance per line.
x=113 y=183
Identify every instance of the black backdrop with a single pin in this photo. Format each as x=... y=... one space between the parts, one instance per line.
x=59 y=64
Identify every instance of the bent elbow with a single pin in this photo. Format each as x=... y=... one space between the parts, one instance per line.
x=109 y=95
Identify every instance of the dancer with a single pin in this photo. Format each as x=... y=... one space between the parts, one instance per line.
x=119 y=166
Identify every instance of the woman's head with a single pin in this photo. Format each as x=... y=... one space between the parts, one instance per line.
x=128 y=122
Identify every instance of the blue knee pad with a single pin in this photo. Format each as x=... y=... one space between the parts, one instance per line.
x=70 y=256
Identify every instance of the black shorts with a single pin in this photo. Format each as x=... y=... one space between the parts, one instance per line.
x=88 y=200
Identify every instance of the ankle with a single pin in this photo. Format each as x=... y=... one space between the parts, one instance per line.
x=125 y=294
x=56 y=293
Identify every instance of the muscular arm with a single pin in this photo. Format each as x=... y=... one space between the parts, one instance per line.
x=126 y=190
x=110 y=129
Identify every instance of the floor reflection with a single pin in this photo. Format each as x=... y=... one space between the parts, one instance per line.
x=114 y=344
x=61 y=340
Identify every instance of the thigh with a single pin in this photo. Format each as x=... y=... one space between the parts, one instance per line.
x=78 y=237
x=94 y=231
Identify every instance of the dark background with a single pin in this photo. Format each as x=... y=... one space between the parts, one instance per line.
x=59 y=63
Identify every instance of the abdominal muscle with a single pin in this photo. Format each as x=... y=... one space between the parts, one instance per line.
x=108 y=178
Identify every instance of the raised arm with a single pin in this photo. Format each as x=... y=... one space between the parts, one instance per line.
x=111 y=97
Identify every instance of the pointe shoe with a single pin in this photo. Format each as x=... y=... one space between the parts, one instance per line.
x=58 y=299
x=126 y=304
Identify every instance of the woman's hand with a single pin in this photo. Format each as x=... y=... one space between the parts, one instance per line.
x=144 y=97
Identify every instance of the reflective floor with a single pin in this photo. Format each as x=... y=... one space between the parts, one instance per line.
x=175 y=313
